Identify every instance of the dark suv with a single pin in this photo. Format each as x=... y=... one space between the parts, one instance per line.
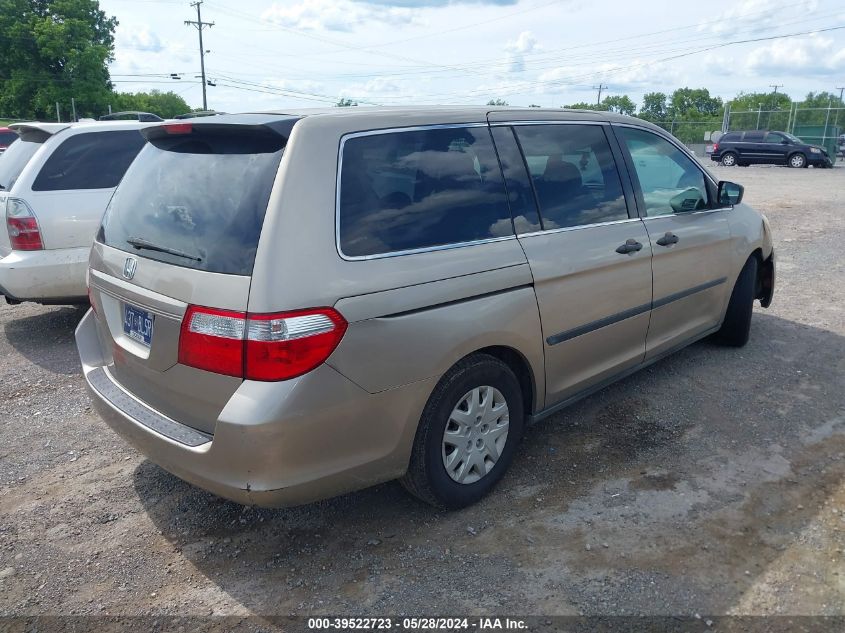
x=768 y=148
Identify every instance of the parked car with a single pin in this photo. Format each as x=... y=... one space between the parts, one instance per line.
x=7 y=137
x=132 y=115
x=55 y=183
x=762 y=147
x=287 y=307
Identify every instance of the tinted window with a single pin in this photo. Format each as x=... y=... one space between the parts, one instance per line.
x=574 y=174
x=775 y=137
x=732 y=137
x=204 y=195
x=754 y=137
x=7 y=138
x=520 y=193
x=96 y=160
x=669 y=179
x=14 y=159
x=406 y=190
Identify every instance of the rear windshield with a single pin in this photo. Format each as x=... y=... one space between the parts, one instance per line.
x=7 y=138
x=201 y=196
x=14 y=159
x=94 y=160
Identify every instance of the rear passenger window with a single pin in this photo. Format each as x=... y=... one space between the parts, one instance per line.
x=574 y=174
x=402 y=191
x=732 y=137
x=96 y=160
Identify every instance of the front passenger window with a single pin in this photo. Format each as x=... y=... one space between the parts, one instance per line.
x=670 y=181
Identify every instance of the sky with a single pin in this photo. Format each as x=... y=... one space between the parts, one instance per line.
x=267 y=54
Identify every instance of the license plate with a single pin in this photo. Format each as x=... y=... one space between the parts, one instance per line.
x=138 y=324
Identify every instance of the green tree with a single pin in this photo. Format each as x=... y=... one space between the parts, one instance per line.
x=821 y=100
x=621 y=104
x=497 y=102
x=694 y=103
x=753 y=101
x=766 y=110
x=654 y=107
x=583 y=105
x=345 y=103
x=164 y=104
x=50 y=51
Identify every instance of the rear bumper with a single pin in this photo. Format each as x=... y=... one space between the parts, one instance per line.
x=274 y=444
x=50 y=276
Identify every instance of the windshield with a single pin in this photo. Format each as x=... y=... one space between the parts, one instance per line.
x=196 y=200
x=792 y=138
x=14 y=159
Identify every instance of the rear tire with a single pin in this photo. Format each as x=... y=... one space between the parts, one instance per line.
x=728 y=159
x=427 y=477
x=736 y=327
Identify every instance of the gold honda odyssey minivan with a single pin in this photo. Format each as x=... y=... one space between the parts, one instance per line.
x=289 y=306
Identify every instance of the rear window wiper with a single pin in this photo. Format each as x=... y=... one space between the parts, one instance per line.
x=141 y=244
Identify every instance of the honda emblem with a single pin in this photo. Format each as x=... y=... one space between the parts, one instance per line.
x=129 y=267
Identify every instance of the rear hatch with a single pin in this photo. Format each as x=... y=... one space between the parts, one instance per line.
x=182 y=230
x=15 y=158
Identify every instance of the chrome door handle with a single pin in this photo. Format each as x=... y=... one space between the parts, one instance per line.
x=668 y=239
x=630 y=246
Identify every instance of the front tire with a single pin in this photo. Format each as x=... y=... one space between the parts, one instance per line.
x=797 y=161
x=468 y=433
x=736 y=328
x=728 y=159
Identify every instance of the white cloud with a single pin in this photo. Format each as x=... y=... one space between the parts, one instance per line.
x=756 y=16
x=336 y=15
x=143 y=40
x=813 y=55
x=638 y=74
x=517 y=49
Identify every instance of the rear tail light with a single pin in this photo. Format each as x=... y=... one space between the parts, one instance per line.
x=715 y=147
x=266 y=347
x=178 y=128
x=22 y=225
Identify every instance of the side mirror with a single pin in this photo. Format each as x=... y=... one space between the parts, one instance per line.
x=729 y=193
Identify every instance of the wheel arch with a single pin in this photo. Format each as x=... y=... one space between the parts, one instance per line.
x=520 y=366
x=765 y=288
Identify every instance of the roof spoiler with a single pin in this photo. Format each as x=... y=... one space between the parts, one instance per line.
x=212 y=126
x=37 y=131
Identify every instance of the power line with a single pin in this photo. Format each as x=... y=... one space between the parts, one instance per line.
x=517 y=87
x=200 y=26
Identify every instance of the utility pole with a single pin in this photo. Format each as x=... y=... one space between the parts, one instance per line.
x=774 y=101
x=841 y=92
x=600 y=87
x=200 y=26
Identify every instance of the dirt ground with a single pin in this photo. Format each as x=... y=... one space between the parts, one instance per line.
x=711 y=483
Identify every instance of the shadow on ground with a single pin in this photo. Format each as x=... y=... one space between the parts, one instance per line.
x=46 y=338
x=678 y=490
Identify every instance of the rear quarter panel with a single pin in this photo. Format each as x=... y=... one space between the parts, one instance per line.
x=298 y=266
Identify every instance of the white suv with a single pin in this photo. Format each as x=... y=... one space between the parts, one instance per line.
x=55 y=183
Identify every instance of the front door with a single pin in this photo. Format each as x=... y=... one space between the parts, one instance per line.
x=690 y=238
x=590 y=260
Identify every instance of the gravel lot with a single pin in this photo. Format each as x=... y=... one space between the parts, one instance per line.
x=711 y=483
